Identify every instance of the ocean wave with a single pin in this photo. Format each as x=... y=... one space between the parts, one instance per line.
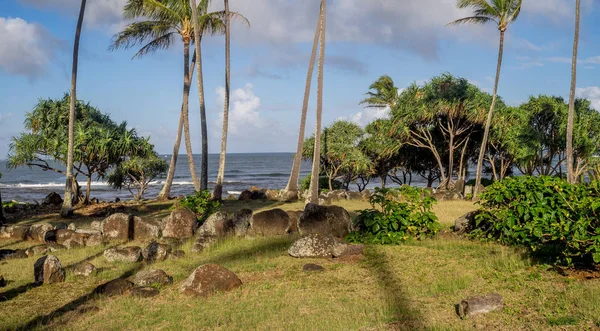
x=234 y=192
x=46 y=185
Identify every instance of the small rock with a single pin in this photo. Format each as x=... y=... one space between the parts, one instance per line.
x=176 y=255
x=117 y=199
x=208 y=279
x=115 y=287
x=53 y=247
x=53 y=199
x=152 y=278
x=479 y=305
x=84 y=269
x=40 y=250
x=312 y=267
x=48 y=270
x=127 y=254
x=143 y=292
x=72 y=227
x=155 y=252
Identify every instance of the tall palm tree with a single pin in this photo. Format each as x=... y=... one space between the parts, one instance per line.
x=314 y=181
x=164 y=21
x=291 y=190
x=384 y=94
x=2 y=218
x=218 y=192
x=502 y=13
x=570 y=172
x=67 y=207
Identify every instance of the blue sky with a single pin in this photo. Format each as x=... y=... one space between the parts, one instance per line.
x=406 y=39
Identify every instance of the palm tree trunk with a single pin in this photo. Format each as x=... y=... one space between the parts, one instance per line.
x=67 y=207
x=166 y=190
x=2 y=218
x=186 y=121
x=571 y=177
x=314 y=181
x=197 y=43
x=291 y=190
x=488 y=122
x=218 y=192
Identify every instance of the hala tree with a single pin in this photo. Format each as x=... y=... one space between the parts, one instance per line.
x=504 y=143
x=136 y=173
x=99 y=142
x=382 y=148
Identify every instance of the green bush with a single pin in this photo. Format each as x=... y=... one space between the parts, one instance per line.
x=553 y=218
x=323 y=184
x=398 y=214
x=201 y=204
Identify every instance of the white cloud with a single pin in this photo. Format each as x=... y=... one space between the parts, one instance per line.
x=4 y=118
x=591 y=93
x=244 y=112
x=26 y=48
x=368 y=115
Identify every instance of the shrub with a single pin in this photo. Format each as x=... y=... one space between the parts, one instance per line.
x=201 y=204
x=323 y=184
x=397 y=215
x=136 y=173
x=553 y=218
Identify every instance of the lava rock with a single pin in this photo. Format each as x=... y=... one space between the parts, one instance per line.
x=312 y=267
x=115 y=287
x=127 y=254
x=208 y=279
x=84 y=269
x=479 y=305
x=152 y=278
x=181 y=224
x=48 y=270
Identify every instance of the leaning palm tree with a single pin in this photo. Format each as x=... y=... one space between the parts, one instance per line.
x=502 y=13
x=570 y=172
x=67 y=207
x=384 y=94
x=218 y=192
x=164 y=21
x=316 y=167
x=290 y=193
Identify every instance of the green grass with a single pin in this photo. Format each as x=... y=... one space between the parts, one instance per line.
x=412 y=286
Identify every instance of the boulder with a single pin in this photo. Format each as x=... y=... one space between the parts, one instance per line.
x=294 y=216
x=479 y=305
x=275 y=222
x=366 y=194
x=218 y=224
x=466 y=223
x=127 y=254
x=325 y=220
x=288 y=196
x=143 y=292
x=84 y=269
x=313 y=245
x=5 y=252
x=53 y=199
x=63 y=236
x=40 y=250
x=181 y=224
x=208 y=279
x=245 y=196
x=96 y=225
x=53 y=247
x=38 y=231
x=272 y=195
x=74 y=242
x=115 y=287
x=16 y=254
x=146 y=228
x=116 y=227
x=152 y=278
x=155 y=252
x=345 y=250
x=241 y=222
x=16 y=232
x=48 y=270
x=94 y=240
x=312 y=267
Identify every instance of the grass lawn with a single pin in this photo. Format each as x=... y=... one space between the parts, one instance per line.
x=412 y=286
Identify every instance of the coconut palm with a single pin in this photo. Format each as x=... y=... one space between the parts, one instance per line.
x=314 y=180
x=218 y=192
x=384 y=94
x=570 y=172
x=164 y=20
x=502 y=13
x=67 y=207
x=2 y=218
x=291 y=190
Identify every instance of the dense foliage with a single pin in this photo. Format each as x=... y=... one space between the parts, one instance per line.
x=397 y=215
x=136 y=174
x=323 y=183
x=546 y=214
x=201 y=204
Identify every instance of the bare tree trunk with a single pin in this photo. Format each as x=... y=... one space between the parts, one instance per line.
x=571 y=177
x=218 y=192
x=314 y=181
x=88 y=187
x=166 y=190
x=451 y=158
x=199 y=73
x=186 y=121
x=67 y=207
x=488 y=122
x=291 y=190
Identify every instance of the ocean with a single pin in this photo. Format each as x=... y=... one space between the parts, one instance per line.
x=266 y=170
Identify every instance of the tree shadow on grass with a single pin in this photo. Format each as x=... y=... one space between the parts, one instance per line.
x=12 y=243
x=89 y=258
x=408 y=318
x=15 y=292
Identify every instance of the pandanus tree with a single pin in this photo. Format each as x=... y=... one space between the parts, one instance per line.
x=67 y=207
x=291 y=190
x=502 y=13
x=162 y=21
x=571 y=172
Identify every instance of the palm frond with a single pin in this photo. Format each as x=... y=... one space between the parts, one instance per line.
x=138 y=33
x=165 y=10
x=160 y=43
x=473 y=19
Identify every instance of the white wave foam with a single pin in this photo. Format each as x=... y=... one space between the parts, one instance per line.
x=45 y=185
x=234 y=192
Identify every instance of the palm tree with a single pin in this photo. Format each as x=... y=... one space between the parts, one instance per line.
x=291 y=190
x=570 y=173
x=385 y=94
x=502 y=13
x=166 y=20
x=2 y=218
x=218 y=192
x=314 y=180
x=67 y=207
